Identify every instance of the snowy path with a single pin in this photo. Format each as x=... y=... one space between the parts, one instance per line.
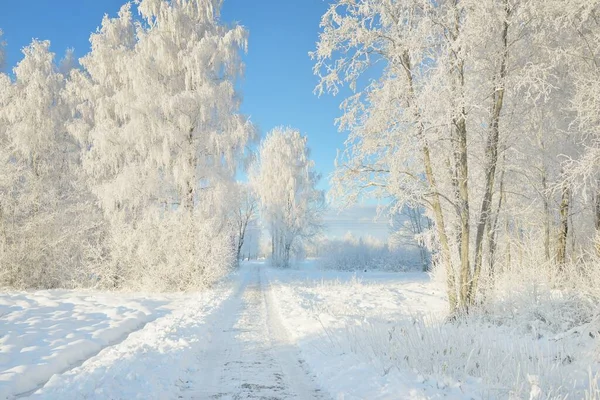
x=227 y=343
x=250 y=356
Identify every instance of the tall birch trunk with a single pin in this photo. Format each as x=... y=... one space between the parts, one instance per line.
x=460 y=160
x=563 y=229
x=493 y=230
x=491 y=153
x=597 y=220
x=435 y=203
x=547 y=222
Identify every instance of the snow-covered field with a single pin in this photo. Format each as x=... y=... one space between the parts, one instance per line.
x=277 y=334
x=45 y=333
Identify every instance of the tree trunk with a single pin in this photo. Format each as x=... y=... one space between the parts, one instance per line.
x=492 y=159
x=463 y=207
x=493 y=231
x=240 y=243
x=460 y=159
x=273 y=234
x=191 y=183
x=597 y=220
x=546 y=217
x=435 y=203
x=561 y=251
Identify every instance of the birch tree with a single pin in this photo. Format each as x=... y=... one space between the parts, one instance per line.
x=284 y=181
x=46 y=213
x=157 y=114
x=429 y=130
x=579 y=49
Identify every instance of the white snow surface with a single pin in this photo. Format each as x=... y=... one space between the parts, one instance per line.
x=226 y=343
x=44 y=333
x=321 y=310
x=262 y=333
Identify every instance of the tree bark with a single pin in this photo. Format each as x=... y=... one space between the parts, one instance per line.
x=461 y=168
x=435 y=203
x=492 y=159
x=546 y=216
x=597 y=220
x=561 y=252
x=493 y=230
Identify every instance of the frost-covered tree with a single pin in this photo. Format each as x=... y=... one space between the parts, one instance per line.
x=577 y=23
x=157 y=114
x=284 y=181
x=431 y=129
x=243 y=216
x=410 y=228
x=252 y=239
x=47 y=217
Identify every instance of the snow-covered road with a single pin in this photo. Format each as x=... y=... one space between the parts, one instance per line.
x=250 y=355
x=227 y=343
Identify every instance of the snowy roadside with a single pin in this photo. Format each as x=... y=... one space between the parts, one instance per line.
x=150 y=363
x=325 y=311
x=87 y=337
x=382 y=336
x=45 y=332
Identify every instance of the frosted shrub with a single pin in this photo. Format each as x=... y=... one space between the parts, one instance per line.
x=541 y=297
x=356 y=255
x=535 y=336
x=168 y=254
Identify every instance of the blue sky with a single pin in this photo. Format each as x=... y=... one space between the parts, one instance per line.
x=278 y=85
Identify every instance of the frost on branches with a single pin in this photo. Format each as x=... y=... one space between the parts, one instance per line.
x=136 y=149
x=470 y=116
x=47 y=219
x=284 y=181
x=2 y=44
x=157 y=110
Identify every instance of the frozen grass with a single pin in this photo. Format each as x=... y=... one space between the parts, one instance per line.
x=505 y=364
x=538 y=336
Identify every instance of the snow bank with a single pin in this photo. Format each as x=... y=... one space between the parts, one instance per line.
x=46 y=332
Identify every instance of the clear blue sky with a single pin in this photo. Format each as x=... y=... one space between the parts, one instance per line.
x=278 y=85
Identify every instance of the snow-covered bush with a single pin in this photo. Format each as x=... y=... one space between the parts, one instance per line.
x=504 y=363
x=355 y=254
x=515 y=356
x=539 y=297
x=191 y=255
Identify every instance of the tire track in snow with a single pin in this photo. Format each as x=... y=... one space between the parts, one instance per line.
x=248 y=354
x=293 y=363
